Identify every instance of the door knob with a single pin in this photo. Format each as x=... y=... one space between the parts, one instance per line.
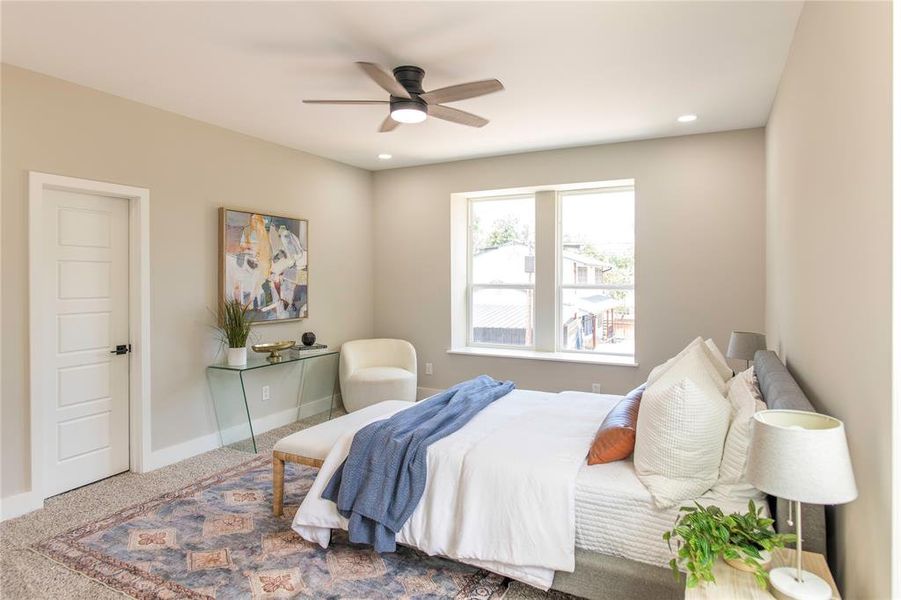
x=121 y=349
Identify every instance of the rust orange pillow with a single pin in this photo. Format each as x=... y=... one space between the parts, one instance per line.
x=615 y=439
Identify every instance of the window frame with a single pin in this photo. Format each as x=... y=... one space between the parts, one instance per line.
x=560 y=286
x=546 y=293
x=471 y=287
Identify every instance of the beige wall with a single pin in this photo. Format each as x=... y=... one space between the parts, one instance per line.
x=828 y=145
x=700 y=249
x=191 y=168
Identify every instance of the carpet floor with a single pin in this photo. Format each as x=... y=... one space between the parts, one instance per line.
x=25 y=574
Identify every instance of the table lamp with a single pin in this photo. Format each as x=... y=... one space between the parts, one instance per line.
x=743 y=345
x=802 y=457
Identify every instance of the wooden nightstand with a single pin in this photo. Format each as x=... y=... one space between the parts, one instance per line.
x=732 y=583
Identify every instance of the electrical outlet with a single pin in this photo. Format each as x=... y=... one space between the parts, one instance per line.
x=428 y=368
x=596 y=388
x=266 y=395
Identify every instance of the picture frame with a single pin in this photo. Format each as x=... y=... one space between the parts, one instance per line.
x=264 y=262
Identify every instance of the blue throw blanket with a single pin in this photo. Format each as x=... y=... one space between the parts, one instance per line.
x=382 y=480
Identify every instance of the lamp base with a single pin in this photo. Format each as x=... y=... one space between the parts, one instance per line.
x=786 y=586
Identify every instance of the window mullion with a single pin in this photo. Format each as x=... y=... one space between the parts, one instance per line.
x=545 y=270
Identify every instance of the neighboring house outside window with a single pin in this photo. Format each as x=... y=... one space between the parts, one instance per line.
x=600 y=226
x=502 y=271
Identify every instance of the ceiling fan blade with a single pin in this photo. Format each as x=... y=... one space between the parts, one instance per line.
x=388 y=124
x=345 y=102
x=462 y=91
x=384 y=79
x=456 y=116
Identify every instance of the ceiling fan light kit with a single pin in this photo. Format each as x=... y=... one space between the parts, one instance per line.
x=408 y=115
x=409 y=103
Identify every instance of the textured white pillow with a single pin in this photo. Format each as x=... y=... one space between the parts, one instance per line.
x=719 y=361
x=679 y=438
x=745 y=399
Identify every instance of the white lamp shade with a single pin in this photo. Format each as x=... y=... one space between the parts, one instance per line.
x=799 y=455
x=743 y=345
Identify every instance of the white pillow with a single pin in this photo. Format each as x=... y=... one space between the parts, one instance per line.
x=745 y=398
x=719 y=361
x=679 y=438
x=692 y=362
x=719 y=369
x=657 y=371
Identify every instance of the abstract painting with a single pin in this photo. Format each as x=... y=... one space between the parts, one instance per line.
x=264 y=264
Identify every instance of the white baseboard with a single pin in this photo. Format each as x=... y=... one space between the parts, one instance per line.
x=425 y=392
x=18 y=505
x=179 y=452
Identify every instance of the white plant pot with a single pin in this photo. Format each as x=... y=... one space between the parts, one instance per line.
x=237 y=357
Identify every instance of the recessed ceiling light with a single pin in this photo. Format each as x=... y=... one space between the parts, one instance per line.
x=687 y=118
x=384 y=156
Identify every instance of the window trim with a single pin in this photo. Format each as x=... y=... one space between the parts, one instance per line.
x=595 y=358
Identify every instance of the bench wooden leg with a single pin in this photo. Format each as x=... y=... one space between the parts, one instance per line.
x=278 y=476
x=278 y=484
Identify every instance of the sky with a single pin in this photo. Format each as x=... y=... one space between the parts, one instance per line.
x=598 y=218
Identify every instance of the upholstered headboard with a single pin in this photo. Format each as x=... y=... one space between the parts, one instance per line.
x=781 y=391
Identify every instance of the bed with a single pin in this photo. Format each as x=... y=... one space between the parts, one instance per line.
x=604 y=575
x=616 y=550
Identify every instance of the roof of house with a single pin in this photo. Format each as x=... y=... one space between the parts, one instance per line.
x=567 y=253
x=501 y=316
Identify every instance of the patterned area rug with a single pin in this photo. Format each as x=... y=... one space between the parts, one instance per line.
x=218 y=539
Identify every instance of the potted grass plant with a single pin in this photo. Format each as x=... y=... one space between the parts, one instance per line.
x=703 y=534
x=234 y=329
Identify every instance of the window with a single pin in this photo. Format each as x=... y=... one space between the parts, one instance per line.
x=597 y=230
x=581 y=273
x=546 y=271
x=502 y=271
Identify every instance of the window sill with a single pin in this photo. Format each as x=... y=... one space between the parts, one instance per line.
x=570 y=357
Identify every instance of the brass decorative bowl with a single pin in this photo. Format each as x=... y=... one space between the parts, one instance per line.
x=273 y=348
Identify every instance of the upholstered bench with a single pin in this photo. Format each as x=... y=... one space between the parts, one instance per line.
x=310 y=446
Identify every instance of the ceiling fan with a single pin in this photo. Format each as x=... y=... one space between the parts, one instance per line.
x=409 y=103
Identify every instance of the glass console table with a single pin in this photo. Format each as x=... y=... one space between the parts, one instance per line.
x=229 y=387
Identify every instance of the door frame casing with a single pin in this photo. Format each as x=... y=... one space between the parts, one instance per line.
x=138 y=317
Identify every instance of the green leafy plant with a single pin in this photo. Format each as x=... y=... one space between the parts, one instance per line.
x=703 y=534
x=234 y=323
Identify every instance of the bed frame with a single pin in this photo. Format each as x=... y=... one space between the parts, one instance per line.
x=604 y=576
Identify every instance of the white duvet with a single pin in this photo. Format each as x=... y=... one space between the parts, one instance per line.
x=500 y=493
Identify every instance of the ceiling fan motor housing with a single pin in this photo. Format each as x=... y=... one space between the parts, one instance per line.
x=411 y=78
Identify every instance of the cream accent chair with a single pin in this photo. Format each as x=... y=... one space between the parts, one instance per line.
x=371 y=371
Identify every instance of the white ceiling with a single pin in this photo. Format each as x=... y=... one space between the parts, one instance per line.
x=575 y=73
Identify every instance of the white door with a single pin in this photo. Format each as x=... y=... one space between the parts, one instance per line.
x=85 y=264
